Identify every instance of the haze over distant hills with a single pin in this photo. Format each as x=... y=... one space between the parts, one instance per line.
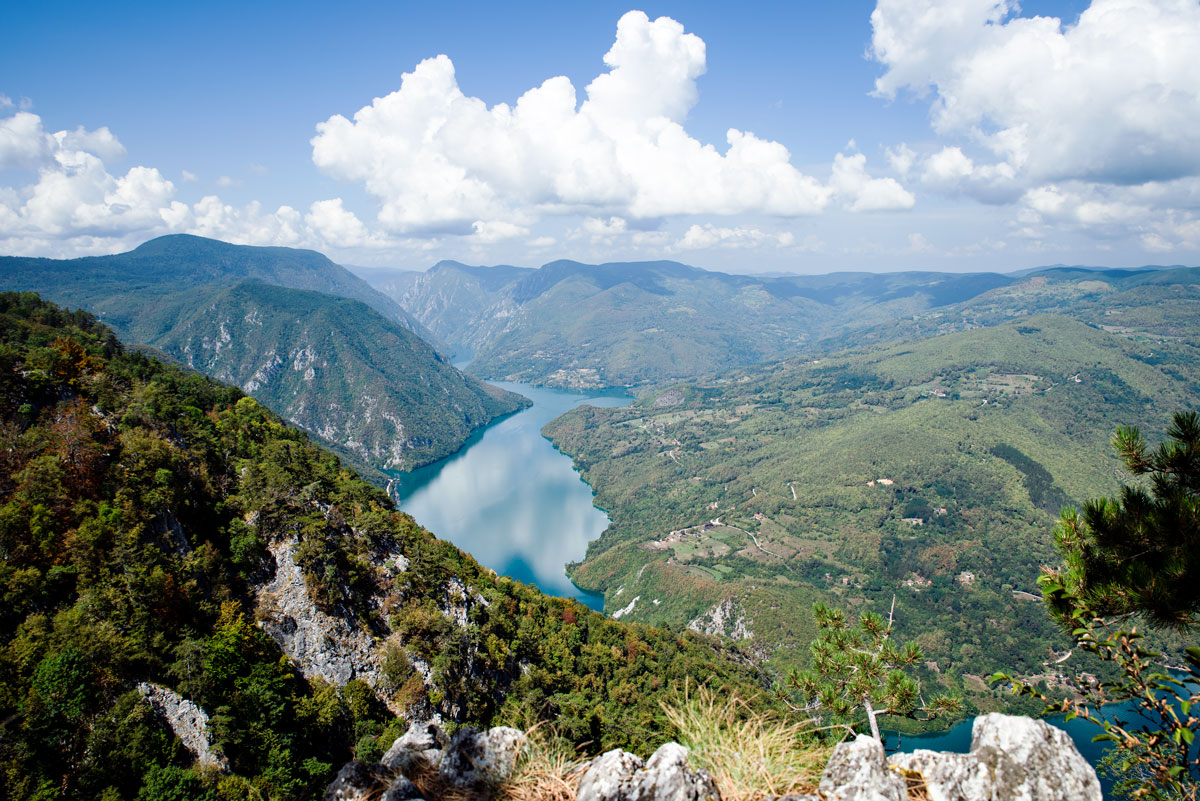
x=630 y=323
x=304 y=335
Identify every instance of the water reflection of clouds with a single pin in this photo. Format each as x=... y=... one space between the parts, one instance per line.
x=512 y=500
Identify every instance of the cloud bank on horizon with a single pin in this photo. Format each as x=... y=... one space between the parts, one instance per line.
x=1084 y=128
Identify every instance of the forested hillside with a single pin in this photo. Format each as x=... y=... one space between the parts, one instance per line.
x=303 y=335
x=158 y=527
x=931 y=470
x=337 y=369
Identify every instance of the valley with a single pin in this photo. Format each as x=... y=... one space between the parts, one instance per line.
x=931 y=471
x=911 y=466
x=580 y=402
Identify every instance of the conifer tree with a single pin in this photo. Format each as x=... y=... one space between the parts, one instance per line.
x=1128 y=561
x=861 y=667
x=1139 y=553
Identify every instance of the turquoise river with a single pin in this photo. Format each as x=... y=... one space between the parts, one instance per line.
x=514 y=502
x=510 y=499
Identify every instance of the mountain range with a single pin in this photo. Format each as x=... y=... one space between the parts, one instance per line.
x=631 y=324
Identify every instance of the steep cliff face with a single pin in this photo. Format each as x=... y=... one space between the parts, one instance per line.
x=339 y=370
x=325 y=646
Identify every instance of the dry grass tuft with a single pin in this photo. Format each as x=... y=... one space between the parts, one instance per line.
x=914 y=781
x=750 y=755
x=547 y=769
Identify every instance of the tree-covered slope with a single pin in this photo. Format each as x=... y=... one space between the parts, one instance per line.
x=932 y=470
x=157 y=527
x=457 y=302
x=305 y=336
x=336 y=368
x=1149 y=303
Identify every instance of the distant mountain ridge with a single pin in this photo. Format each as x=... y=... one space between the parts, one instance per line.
x=304 y=335
x=627 y=323
x=178 y=261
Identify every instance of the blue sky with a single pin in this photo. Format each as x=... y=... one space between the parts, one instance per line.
x=1001 y=138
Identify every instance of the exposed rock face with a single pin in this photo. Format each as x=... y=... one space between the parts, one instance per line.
x=609 y=775
x=423 y=763
x=321 y=645
x=724 y=619
x=419 y=751
x=189 y=723
x=858 y=771
x=620 y=776
x=1011 y=759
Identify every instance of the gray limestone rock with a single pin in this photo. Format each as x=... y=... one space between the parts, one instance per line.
x=1032 y=760
x=401 y=789
x=609 y=776
x=947 y=777
x=858 y=771
x=321 y=645
x=620 y=776
x=1011 y=759
x=468 y=765
x=480 y=760
x=188 y=722
x=667 y=777
x=419 y=751
x=356 y=781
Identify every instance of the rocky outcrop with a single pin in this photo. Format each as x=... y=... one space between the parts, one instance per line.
x=321 y=645
x=187 y=721
x=724 y=619
x=1011 y=759
x=621 y=776
x=425 y=764
x=857 y=771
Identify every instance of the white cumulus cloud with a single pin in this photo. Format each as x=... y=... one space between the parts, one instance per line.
x=1112 y=98
x=440 y=161
x=699 y=237
x=860 y=192
x=23 y=143
x=337 y=225
x=75 y=206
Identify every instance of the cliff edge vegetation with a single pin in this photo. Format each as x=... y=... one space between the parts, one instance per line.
x=166 y=538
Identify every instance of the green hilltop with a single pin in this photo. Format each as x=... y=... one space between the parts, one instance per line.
x=335 y=368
